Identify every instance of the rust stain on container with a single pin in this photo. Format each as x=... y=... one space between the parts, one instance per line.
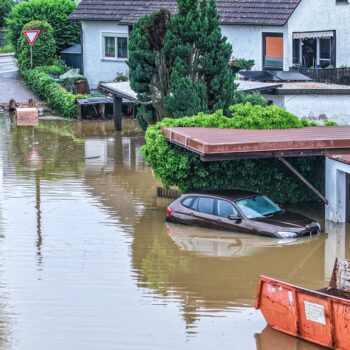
x=322 y=316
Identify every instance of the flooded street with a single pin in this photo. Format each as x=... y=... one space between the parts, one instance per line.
x=87 y=261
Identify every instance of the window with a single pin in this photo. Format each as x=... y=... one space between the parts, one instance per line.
x=273 y=51
x=296 y=51
x=109 y=46
x=115 y=47
x=187 y=202
x=122 y=47
x=205 y=205
x=225 y=209
x=325 y=52
x=258 y=206
x=194 y=205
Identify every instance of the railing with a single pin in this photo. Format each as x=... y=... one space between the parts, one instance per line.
x=326 y=75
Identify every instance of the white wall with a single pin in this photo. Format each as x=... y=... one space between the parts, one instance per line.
x=315 y=107
x=247 y=42
x=336 y=190
x=310 y=15
x=96 y=68
x=320 y=15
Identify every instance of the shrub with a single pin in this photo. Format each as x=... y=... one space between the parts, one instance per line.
x=44 y=48
x=47 y=88
x=55 y=12
x=6 y=49
x=5 y=8
x=254 y=98
x=176 y=166
x=238 y=64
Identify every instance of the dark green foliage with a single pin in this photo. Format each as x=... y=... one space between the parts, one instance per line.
x=238 y=64
x=330 y=123
x=144 y=116
x=180 y=62
x=5 y=8
x=176 y=166
x=254 y=98
x=55 y=12
x=44 y=49
x=45 y=87
x=149 y=67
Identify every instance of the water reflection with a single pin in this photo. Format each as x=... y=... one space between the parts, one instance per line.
x=269 y=339
x=223 y=244
x=86 y=250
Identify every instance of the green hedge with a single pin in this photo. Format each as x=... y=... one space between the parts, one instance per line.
x=44 y=49
x=60 y=100
x=55 y=12
x=176 y=166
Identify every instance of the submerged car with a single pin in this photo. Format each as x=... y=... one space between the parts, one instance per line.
x=239 y=211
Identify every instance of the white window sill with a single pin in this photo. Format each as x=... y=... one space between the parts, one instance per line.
x=108 y=59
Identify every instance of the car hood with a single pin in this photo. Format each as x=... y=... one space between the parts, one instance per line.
x=286 y=219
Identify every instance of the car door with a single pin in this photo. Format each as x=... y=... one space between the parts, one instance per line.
x=223 y=210
x=184 y=213
x=204 y=215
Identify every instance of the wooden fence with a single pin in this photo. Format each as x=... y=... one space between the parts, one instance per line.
x=326 y=75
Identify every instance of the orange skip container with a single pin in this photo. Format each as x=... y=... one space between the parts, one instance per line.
x=321 y=316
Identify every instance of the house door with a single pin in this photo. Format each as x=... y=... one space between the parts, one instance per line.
x=347 y=198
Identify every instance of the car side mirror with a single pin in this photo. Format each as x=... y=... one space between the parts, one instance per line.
x=235 y=217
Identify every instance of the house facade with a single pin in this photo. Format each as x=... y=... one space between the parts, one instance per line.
x=275 y=34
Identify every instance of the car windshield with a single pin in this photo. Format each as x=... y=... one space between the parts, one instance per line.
x=258 y=206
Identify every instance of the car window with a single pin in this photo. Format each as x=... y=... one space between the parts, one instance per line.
x=225 y=209
x=187 y=202
x=258 y=206
x=194 y=205
x=205 y=205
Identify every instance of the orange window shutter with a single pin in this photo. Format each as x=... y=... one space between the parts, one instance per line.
x=274 y=46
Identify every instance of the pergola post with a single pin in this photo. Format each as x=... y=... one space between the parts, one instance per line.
x=117 y=112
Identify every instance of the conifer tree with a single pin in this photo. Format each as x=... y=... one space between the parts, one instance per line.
x=185 y=69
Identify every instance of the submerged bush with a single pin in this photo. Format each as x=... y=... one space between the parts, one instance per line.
x=176 y=166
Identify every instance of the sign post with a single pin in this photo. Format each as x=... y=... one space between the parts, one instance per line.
x=31 y=36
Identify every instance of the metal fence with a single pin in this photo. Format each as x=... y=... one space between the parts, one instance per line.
x=326 y=75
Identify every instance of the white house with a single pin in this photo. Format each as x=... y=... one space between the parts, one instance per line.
x=276 y=34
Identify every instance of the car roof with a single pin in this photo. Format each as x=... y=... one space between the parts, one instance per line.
x=230 y=194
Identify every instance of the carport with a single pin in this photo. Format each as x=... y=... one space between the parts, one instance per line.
x=232 y=144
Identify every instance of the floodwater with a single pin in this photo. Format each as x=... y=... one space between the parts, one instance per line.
x=87 y=261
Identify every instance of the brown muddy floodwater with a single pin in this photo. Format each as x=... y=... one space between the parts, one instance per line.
x=87 y=262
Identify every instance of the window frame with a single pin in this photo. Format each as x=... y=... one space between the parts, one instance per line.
x=116 y=36
x=264 y=36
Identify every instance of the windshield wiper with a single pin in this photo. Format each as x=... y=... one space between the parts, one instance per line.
x=274 y=212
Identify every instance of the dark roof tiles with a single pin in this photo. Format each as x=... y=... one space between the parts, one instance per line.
x=245 y=12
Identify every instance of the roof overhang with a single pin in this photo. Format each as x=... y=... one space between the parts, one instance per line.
x=230 y=144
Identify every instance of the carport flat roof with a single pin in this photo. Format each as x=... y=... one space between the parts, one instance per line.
x=339 y=156
x=223 y=144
